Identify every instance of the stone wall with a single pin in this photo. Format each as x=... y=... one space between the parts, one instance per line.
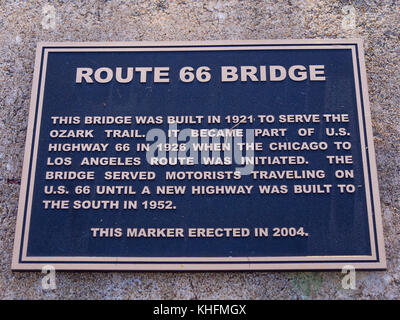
x=24 y=23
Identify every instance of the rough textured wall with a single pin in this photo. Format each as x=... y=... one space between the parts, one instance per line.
x=24 y=23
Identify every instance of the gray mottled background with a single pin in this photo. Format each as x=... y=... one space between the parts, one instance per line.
x=24 y=23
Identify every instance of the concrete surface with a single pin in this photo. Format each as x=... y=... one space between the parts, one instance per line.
x=24 y=23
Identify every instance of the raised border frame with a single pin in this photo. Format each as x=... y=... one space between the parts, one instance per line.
x=377 y=259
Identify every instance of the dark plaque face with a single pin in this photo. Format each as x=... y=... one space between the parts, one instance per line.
x=236 y=155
